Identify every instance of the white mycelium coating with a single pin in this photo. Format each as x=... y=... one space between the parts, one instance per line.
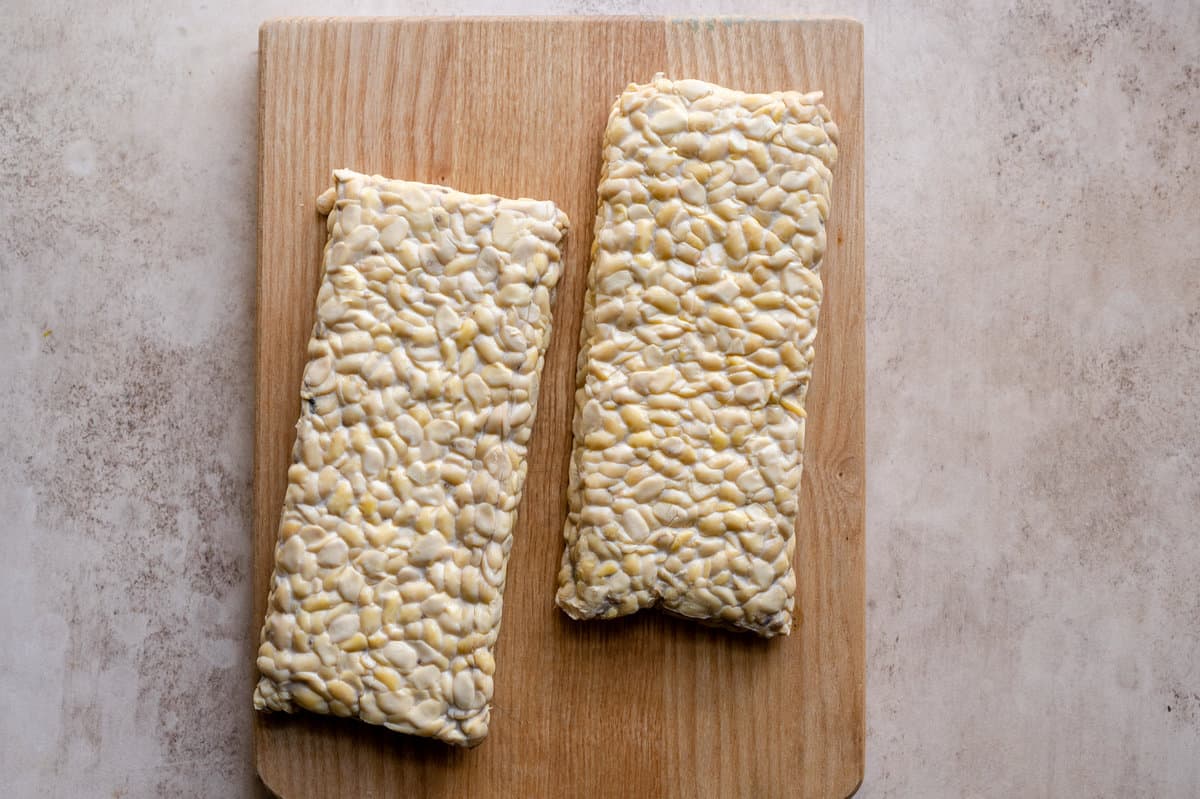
x=697 y=347
x=418 y=400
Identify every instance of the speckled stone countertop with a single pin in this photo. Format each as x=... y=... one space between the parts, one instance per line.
x=1033 y=352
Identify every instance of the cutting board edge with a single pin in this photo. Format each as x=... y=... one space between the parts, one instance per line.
x=272 y=22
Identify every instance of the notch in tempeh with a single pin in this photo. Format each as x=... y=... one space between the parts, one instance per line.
x=418 y=401
x=695 y=356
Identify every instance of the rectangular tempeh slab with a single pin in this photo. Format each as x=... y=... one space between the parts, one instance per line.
x=696 y=353
x=418 y=401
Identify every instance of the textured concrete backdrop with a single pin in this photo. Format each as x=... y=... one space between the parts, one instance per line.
x=1033 y=355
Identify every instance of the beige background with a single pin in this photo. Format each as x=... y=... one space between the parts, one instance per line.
x=1033 y=348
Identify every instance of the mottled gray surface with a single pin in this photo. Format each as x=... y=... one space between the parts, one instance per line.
x=1034 y=346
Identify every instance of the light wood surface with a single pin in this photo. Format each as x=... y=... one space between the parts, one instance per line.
x=647 y=706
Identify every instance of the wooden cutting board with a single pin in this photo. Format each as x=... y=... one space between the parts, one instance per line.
x=647 y=706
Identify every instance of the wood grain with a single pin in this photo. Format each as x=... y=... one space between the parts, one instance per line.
x=646 y=706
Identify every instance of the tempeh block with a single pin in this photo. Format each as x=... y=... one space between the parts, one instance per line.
x=696 y=352
x=418 y=401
